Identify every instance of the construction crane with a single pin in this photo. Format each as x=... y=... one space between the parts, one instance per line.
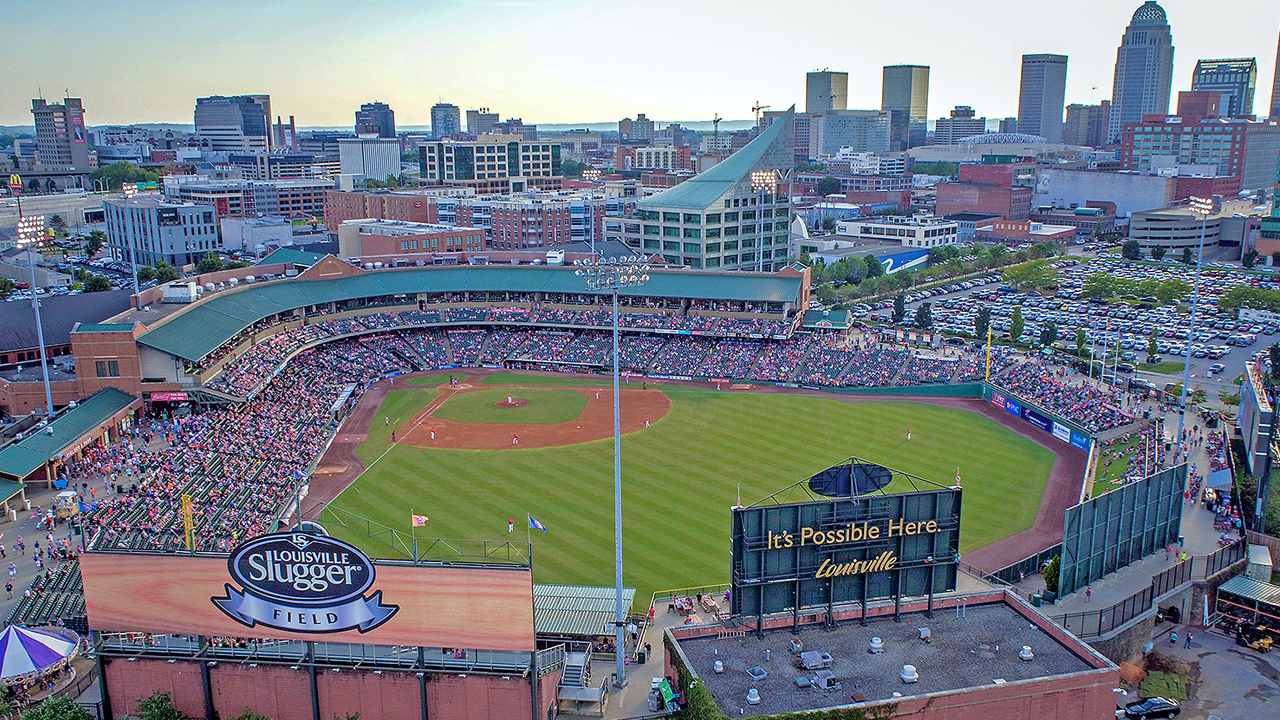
x=715 y=128
x=756 y=109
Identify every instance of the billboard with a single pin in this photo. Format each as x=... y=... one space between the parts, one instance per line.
x=796 y=556
x=296 y=586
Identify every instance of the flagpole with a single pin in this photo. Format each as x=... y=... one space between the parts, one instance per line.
x=528 y=531
x=413 y=532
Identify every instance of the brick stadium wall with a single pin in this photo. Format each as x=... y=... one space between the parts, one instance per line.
x=1082 y=696
x=454 y=697
x=274 y=691
x=389 y=695
x=129 y=682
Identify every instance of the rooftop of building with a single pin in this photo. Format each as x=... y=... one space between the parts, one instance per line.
x=979 y=649
x=58 y=315
x=1033 y=228
x=1149 y=13
x=898 y=220
x=149 y=202
x=1230 y=208
x=972 y=216
x=705 y=188
x=25 y=456
x=377 y=226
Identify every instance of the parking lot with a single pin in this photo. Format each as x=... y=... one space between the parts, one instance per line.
x=1118 y=331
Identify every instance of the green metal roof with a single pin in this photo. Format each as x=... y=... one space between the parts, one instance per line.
x=291 y=255
x=1252 y=590
x=27 y=455
x=577 y=609
x=103 y=327
x=9 y=489
x=826 y=318
x=199 y=329
x=701 y=191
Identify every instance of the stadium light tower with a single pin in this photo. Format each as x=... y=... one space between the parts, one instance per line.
x=29 y=231
x=763 y=182
x=611 y=275
x=592 y=175
x=1204 y=208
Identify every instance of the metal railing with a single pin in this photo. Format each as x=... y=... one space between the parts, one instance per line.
x=1224 y=558
x=1011 y=574
x=430 y=549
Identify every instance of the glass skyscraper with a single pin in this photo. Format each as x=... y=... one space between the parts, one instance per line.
x=1144 y=69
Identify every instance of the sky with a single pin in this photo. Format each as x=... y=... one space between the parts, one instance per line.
x=561 y=61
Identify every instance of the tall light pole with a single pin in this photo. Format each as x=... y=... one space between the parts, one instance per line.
x=762 y=182
x=611 y=275
x=1204 y=208
x=29 y=231
x=591 y=175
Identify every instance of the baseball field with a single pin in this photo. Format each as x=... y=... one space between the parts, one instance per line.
x=470 y=461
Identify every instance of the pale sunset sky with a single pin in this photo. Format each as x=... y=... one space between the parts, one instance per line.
x=555 y=61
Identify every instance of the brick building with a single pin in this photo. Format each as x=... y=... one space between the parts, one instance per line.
x=1010 y=203
x=1017 y=232
x=366 y=239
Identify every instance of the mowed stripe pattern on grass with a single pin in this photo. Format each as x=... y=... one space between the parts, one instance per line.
x=680 y=478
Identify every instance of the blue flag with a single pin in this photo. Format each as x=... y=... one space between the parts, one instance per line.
x=535 y=525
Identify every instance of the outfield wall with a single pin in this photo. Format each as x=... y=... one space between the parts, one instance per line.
x=1065 y=430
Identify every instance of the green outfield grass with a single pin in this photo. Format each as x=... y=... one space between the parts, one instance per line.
x=681 y=476
x=547 y=406
x=435 y=379
x=399 y=406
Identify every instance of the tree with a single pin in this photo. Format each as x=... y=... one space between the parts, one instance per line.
x=1275 y=258
x=941 y=168
x=209 y=263
x=1031 y=276
x=805 y=167
x=1157 y=252
x=146 y=273
x=1153 y=344
x=7 y=287
x=826 y=294
x=1048 y=334
x=158 y=707
x=982 y=321
x=1082 y=339
x=1186 y=256
x=828 y=186
x=1172 y=289
x=118 y=173
x=572 y=168
x=1148 y=287
x=899 y=308
x=1250 y=258
x=62 y=708
x=874 y=268
x=1051 y=574
x=165 y=272
x=1239 y=296
x=1131 y=250
x=998 y=254
x=97 y=239
x=924 y=316
x=1016 y=324
x=828 y=224
x=58 y=224
x=97 y=283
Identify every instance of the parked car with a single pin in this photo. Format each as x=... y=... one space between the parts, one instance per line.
x=1216 y=368
x=1152 y=707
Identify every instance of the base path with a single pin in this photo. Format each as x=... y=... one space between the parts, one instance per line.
x=595 y=423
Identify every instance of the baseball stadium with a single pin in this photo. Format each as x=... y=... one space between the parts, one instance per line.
x=438 y=418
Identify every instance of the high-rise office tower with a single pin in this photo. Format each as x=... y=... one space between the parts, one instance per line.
x=1041 y=95
x=1009 y=126
x=1144 y=70
x=241 y=123
x=1275 y=90
x=905 y=93
x=376 y=119
x=446 y=120
x=481 y=122
x=1087 y=124
x=825 y=90
x=1235 y=78
x=639 y=129
x=60 y=134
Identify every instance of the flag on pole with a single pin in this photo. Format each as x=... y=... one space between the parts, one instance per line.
x=299 y=474
x=958 y=476
x=417 y=520
x=535 y=525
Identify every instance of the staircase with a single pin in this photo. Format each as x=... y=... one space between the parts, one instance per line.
x=577 y=670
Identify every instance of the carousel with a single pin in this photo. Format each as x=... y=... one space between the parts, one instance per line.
x=37 y=662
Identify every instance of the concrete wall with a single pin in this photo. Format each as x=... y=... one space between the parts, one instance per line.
x=1130 y=192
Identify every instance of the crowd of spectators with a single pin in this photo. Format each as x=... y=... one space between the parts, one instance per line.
x=431 y=346
x=730 y=359
x=240 y=464
x=681 y=355
x=926 y=370
x=778 y=360
x=1052 y=389
x=466 y=345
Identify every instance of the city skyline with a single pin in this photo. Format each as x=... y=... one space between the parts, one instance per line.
x=535 y=59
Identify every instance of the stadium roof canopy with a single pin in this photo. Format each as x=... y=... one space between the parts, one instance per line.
x=201 y=328
x=27 y=455
x=291 y=255
x=577 y=609
x=706 y=188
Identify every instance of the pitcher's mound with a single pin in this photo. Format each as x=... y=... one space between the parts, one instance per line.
x=515 y=403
